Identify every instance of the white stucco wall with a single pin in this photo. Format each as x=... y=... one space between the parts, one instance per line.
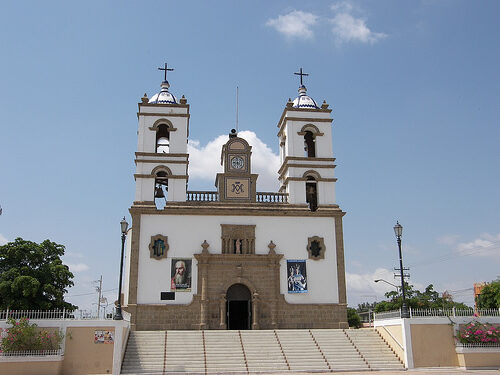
x=290 y=234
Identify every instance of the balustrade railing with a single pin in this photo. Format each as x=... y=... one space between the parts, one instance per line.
x=269 y=197
x=213 y=196
x=202 y=196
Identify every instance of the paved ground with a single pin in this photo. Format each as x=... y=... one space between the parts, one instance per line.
x=422 y=371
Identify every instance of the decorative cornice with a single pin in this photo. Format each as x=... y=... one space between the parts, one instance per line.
x=161 y=161
x=162 y=155
x=173 y=176
x=239 y=209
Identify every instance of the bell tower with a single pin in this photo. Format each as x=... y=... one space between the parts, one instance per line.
x=237 y=183
x=161 y=157
x=306 y=151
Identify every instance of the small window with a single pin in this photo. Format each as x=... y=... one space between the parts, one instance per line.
x=309 y=145
x=162 y=139
x=312 y=193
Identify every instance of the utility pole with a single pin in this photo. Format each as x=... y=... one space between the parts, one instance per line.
x=99 y=290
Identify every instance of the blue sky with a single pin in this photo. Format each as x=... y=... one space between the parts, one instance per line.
x=415 y=91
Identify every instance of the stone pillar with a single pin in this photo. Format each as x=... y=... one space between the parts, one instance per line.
x=255 y=310
x=204 y=298
x=223 y=312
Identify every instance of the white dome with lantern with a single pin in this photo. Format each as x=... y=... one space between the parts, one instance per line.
x=164 y=96
x=304 y=100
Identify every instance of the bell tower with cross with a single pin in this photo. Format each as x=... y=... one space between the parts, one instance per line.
x=161 y=157
x=306 y=151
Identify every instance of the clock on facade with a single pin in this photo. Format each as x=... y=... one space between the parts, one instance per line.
x=237 y=162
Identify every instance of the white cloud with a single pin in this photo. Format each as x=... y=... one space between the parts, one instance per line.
x=79 y=267
x=486 y=245
x=204 y=161
x=3 y=240
x=294 y=24
x=348 y=28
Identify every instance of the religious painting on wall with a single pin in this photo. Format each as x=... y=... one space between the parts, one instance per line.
x=297 y=276
x=103 y=337
x=180 y=274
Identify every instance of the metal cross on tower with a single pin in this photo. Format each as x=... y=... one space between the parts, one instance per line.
x=299 y=73
x=166 y=69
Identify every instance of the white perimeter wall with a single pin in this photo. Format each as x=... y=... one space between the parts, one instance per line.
x=186 y=233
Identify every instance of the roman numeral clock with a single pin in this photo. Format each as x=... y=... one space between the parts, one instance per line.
x=237 y=183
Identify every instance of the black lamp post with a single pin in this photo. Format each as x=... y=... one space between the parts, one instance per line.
x=118 y=314
x=398 y=231
x=387 y=282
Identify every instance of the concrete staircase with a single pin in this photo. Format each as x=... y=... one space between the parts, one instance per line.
x=210 y=352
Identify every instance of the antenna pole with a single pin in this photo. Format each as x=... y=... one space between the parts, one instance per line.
x=237 y=99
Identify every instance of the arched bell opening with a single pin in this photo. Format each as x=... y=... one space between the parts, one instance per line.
x=309 y=144
x=162 y=139
x=312 y=193
x=239 y=307
x=161 y=189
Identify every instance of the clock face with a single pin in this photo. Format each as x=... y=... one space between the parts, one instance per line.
x=237 y=162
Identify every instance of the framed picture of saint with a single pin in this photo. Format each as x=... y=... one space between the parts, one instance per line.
x=180 y=274
x=297 y=276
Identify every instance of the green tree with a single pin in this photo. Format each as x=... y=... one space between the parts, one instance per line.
x=428 y=299
x=353 y=318
x=33 y=276
x=490 y=296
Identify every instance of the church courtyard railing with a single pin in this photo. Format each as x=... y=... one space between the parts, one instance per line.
x=213 y=196
x=53 y=314
x=430 y=313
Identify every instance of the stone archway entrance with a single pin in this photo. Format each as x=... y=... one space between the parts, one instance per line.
x=239 y=307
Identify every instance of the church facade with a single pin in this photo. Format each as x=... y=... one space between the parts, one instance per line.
x=235 y=258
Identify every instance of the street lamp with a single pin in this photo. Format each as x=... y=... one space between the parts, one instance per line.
x=398 y=231
x=124 y=227
x=387 y=282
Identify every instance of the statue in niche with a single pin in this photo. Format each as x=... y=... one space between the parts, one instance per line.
x=159 y=247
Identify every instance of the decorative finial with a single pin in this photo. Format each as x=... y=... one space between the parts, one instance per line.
x=299 y=73
x=205 y=247
x=166 y=69
x=271 y=247
x=324 y=105
x=183 y=100
x=289 y=103
x=145 y=99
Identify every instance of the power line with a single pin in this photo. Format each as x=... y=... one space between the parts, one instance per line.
x=451 y=255
x=89 y=294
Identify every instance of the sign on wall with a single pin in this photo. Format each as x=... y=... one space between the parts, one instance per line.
x=103 y=337
x=297 y=276
x=180 y=274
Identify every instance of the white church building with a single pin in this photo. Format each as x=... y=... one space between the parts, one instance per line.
x=235 y=257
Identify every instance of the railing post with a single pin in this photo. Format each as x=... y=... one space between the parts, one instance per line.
x=453 y=311
x=400 y=312
x=410 y=311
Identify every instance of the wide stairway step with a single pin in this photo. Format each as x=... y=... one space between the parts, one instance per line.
x=211 y=352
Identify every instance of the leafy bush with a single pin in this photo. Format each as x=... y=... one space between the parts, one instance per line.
x=23 y=336
x=479 y=333
x=353 y=318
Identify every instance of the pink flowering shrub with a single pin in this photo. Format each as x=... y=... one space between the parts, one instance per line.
x=24 y=336
x=479 y=333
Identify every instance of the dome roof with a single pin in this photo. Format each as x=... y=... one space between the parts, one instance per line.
x=303 y=100
x=164 y=96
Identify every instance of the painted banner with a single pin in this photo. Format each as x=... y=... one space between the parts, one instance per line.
x=297 y=276
x=103 y=337
x=180 y=274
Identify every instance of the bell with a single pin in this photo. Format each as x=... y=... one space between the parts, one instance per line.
x=159 y=192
